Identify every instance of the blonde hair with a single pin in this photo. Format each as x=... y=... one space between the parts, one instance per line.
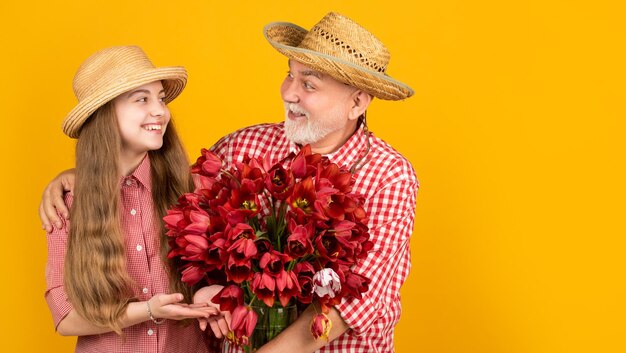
x=96 y=279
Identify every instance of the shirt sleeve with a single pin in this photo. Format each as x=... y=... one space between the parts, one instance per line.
x=222 y=147
x=391 y=211
x=55 y=292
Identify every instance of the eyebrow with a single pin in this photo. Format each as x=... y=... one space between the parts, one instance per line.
x=313 y=73
x=132 y=93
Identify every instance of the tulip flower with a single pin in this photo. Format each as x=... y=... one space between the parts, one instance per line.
x=238 y=271
x=355 y=284
x=287 y=287
x=264 y=285
x=229 y=298
x=208 y=164
x=192 y=274
x=279 y=182
x=327 y=246
x=299 y=241
x=320 y=326
x=273 y=263
x=326 y=283
x=303 y=196
x=243 y=322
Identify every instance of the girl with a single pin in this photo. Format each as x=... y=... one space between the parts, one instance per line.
x=107 y=275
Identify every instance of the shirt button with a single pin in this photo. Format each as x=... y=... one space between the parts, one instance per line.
x=128 y=182
x=139 y=247
x=150 y=332
x=133 y=212
x=145 y=291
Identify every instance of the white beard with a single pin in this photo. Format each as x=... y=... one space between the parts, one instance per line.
x=307 y=131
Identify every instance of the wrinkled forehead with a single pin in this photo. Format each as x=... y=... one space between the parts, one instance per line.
x=302 y=69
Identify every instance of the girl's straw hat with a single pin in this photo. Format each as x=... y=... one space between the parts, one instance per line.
x=342 y=49
x=111 y=72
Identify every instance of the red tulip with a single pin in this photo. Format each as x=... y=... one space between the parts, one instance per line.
x=208 y=164
x=355 y=284
x=173 y=221
x=264 y=285
x=243 y=322
x=229 y=298
x=341 y=180
x=242 y=249
x=279 y=182
x=199 y=222
x=327 y=246
x=216 y=255
x=287 y=287
x=192 y=274
x=245 y=199
x=320 y=326
x=304 y=272
x=238 y=271
x=195 y=249
x=299 y=241
x=273 y=263
x=303 y=196
x=263 y=245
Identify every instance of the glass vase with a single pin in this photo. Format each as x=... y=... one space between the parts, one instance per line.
x=271 y=321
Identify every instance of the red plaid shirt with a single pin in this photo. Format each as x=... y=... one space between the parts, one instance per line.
x=141 y=237
x=388 y=182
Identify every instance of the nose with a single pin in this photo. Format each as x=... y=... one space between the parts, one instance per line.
x=158 y=108
x=289 y=91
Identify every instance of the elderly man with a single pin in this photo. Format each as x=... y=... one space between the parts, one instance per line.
x=335 y=70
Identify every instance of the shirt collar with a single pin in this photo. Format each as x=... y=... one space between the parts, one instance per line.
x=353 y=149
x=141 y=174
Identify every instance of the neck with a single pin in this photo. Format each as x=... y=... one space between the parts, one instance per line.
x=333 y=141
x=128 y=162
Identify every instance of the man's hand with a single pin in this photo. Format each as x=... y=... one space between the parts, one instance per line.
x=220 y=324
x=52 y=203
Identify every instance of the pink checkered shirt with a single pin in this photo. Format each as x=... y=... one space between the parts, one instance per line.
x=388 y=182
x=141 y=237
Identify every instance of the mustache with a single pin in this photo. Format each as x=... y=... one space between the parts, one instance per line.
x=297 y=109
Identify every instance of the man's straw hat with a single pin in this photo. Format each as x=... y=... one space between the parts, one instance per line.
x=341 y=48
x=111 y=72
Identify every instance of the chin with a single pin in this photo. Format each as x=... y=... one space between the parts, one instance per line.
x=155 y=146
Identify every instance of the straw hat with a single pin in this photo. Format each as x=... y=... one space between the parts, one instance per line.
x=111 y=72
x=341 y=48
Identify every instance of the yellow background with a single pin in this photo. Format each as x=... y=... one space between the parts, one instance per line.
x=516 y=133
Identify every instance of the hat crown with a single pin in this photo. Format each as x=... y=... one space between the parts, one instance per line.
x=109 y=67
x=340 y=37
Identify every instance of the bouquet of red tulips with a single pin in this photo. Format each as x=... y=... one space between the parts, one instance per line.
x=285 y=233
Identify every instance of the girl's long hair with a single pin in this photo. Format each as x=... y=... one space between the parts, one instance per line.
x=95 y=277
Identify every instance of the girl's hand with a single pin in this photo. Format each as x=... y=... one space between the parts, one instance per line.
x=168 y=306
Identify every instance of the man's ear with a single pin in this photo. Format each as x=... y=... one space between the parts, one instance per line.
x=360 y=101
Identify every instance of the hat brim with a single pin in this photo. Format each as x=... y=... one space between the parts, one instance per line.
x=174 y=81
x=285 y=37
